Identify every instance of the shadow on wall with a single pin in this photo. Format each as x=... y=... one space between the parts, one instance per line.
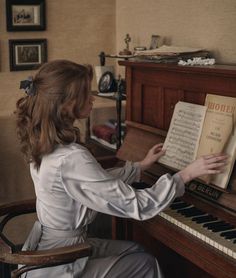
x=15 y=180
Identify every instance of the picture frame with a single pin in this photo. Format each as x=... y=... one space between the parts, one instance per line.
x=27 y=54
x=154 y=42
x=25 y=15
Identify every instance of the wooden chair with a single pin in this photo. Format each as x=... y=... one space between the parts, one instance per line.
x=11 y=254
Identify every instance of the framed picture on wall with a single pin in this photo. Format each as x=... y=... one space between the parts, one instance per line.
x=27 y=54
x=25 y=15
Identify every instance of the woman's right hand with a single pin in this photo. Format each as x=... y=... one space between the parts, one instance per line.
x=152 y=156
x=205 y=165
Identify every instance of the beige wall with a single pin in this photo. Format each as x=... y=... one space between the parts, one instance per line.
x=76 y=29
x=80 y=29
x=207 y=24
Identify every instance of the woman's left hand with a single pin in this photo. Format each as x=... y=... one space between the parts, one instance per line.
x=152 y=156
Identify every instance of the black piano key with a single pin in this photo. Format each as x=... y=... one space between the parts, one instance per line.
x=204 y=219
x=229 y=234
x=230 y=237
x=234 y=242
x=213 y=224
x=191 y=212
x=222 y=228
x=209 y=221
x=179 y=205
x=182 y=211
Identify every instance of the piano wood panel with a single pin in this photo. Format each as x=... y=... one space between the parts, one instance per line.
x=152 y=96
x=136 y=106
x=195 y=97
x=156 y=88
x=207 y=259
x=171 y=97
x=139 y=140
x=172 y=264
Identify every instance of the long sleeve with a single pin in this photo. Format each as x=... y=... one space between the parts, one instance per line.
x=129 y=173
x=85 y=181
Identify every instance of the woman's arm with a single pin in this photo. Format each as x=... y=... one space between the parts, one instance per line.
x=205 y=165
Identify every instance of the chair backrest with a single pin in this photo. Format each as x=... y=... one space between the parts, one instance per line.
x=11 y=254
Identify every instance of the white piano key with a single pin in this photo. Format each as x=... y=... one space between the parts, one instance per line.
x=197 y=230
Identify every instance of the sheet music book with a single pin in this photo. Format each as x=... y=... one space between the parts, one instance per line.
x=197 y=130
x=168 y=50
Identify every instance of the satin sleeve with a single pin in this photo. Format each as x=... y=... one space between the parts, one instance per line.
x=87 y=182
x=129 y=173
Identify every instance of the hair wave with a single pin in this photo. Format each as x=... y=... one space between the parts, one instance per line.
x=46 y=119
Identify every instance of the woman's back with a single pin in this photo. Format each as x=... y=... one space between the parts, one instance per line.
x=55 y=208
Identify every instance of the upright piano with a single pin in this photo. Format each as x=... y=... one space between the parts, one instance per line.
x=196 y=235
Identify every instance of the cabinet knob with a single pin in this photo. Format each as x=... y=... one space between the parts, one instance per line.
x=172 y=107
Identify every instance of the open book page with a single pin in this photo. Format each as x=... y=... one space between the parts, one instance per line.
x=184 y=133
x=216 y=130
x=219 y=133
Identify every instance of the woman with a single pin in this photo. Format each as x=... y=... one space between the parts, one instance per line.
x=71 y=187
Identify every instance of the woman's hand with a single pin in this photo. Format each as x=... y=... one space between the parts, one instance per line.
x=205 y=165
x=152 y=156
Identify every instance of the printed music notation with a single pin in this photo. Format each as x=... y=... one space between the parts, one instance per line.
x=197 y=130
x=184 y=134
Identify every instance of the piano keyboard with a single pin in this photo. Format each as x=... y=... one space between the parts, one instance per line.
x=210 y=229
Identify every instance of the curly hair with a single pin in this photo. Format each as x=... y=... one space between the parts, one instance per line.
x=46 y=119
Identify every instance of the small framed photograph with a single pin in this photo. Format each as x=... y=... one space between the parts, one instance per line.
x=27 y=54
x=154 y=41
x=25 y=15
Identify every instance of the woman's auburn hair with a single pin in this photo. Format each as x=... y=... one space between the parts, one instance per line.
x=46 y=119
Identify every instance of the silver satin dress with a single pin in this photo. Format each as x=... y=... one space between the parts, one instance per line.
x=71 y=187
